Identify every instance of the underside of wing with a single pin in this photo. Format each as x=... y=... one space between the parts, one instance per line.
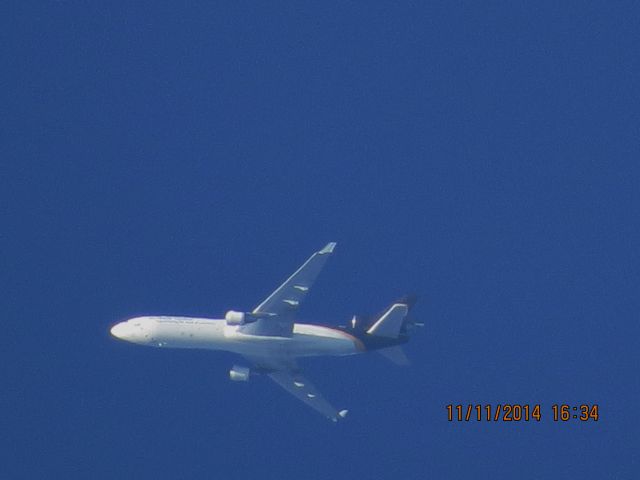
x=286 y=373
x=276 y=314
x=304 y=390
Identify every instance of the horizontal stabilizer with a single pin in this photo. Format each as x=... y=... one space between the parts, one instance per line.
x=396 y=355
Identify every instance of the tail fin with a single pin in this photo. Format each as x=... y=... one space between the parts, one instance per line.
x=392 y=323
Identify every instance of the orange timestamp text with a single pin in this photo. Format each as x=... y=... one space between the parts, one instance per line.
x=516 y=412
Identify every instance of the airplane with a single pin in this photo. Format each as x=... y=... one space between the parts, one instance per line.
x=271 y=341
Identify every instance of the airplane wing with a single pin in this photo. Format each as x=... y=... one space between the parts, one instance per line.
x=304 y=390
x=277 y=312
x=287 y=374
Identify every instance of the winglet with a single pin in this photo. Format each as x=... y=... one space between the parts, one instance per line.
x=328 y=248
x=340 y=415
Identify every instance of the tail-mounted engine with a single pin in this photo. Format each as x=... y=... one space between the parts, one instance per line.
x=239 y=374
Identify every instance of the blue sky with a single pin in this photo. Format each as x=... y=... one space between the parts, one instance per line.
x=184 y=158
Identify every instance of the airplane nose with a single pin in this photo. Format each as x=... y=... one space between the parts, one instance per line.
x=121 y=330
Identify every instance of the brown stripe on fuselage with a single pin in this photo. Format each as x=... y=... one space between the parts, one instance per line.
x=357 y=342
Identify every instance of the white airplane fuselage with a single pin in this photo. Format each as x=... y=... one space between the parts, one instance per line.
x=213 y=334
x=271 y=341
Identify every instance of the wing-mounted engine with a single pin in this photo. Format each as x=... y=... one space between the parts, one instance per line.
x=239 y=374
x=234 y=318
x=239 y=318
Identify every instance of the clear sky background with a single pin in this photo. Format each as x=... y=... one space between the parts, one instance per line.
x=185 y=157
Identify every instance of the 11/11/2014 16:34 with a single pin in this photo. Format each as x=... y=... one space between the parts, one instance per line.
x=515 y=412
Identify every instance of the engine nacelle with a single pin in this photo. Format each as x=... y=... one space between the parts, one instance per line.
x=235 y=318
x=239 y=318
x=239 y=374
